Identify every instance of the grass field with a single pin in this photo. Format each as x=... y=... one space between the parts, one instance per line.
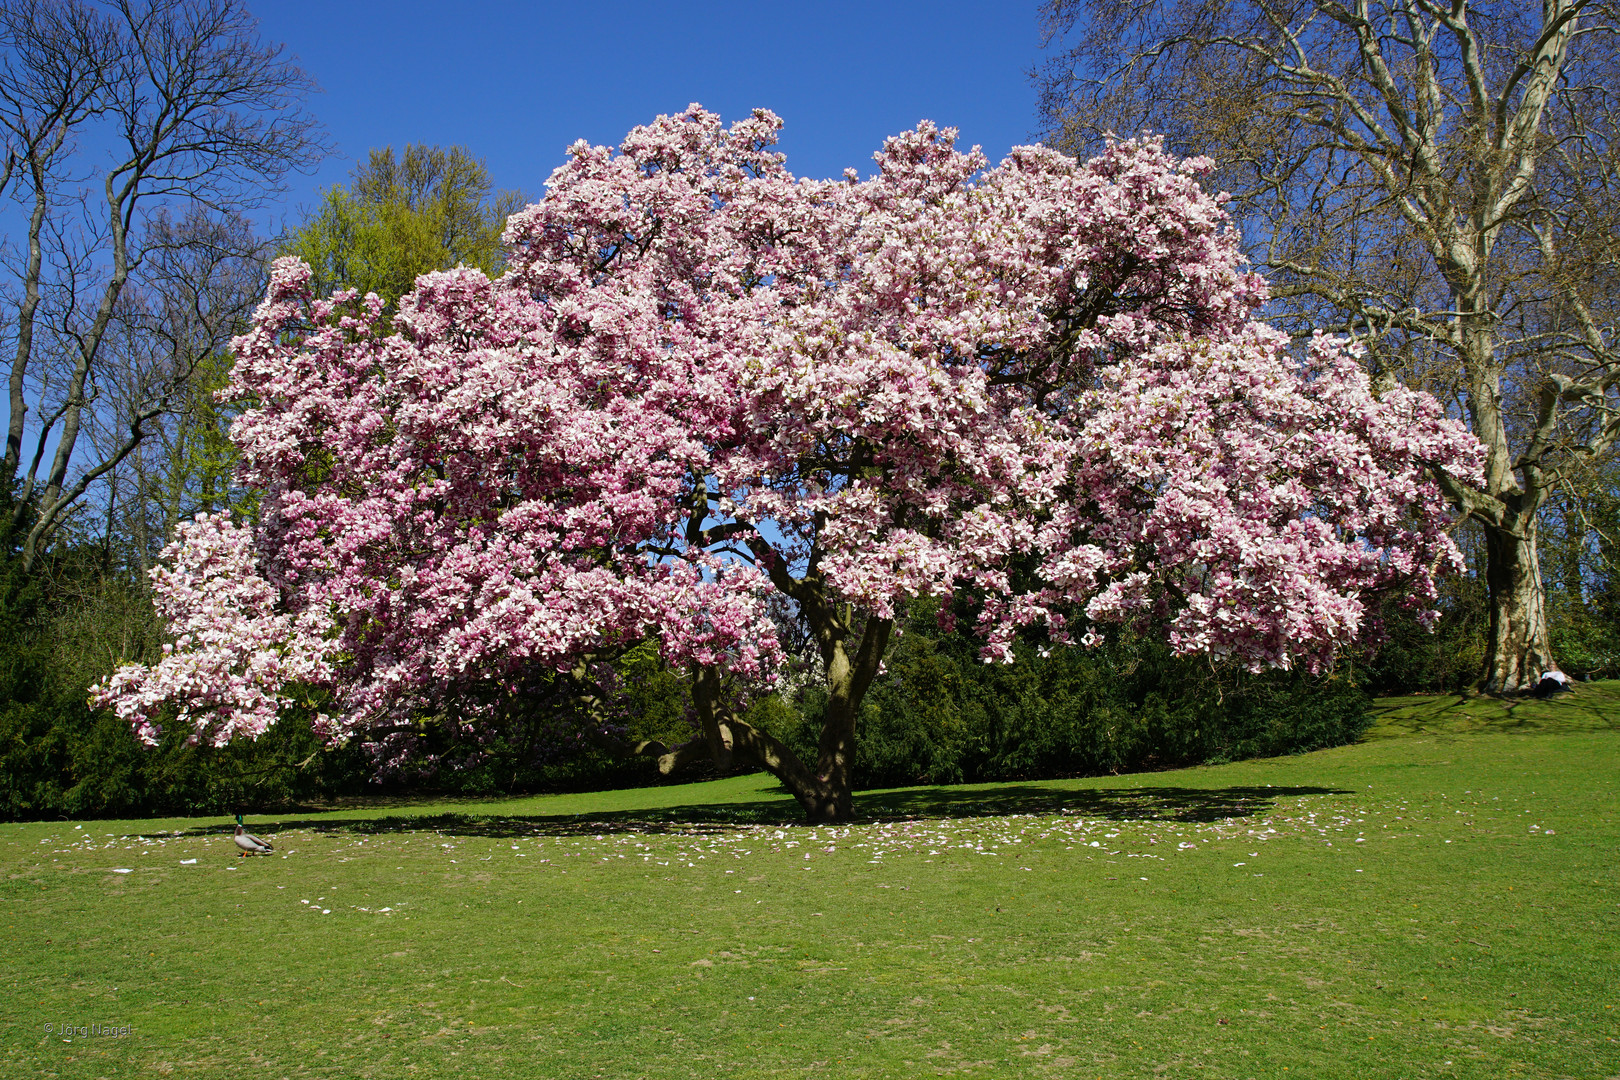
x=1438 y=901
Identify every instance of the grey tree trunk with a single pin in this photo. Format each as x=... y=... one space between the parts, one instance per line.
x=1518 y=649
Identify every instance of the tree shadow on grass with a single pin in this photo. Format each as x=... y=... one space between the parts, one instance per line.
x=905 y=804
x=1586 y=709
x=1111 y=804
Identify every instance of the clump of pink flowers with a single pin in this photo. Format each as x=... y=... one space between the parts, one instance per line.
x=703 y=379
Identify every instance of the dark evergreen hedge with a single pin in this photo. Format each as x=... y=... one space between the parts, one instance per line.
x=938 y=715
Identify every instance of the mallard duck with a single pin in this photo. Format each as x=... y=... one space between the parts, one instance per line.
x=250 y=844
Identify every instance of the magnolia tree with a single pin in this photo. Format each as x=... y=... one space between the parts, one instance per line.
x=703 y=381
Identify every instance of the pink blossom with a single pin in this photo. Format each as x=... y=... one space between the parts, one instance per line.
x=703 y=378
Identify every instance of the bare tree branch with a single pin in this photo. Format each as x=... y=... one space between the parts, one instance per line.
x=199 y=113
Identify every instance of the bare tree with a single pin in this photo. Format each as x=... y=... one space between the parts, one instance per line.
x=1435 y=177
x=186 y=107
x=194 y=291
x=50 y=76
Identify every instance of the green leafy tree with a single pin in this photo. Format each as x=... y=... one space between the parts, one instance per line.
x=403 y=215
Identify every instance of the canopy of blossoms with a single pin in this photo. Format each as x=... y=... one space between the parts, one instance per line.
x=702 y=379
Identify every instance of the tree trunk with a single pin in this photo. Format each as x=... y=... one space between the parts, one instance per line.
x=834 y=799
x=848 y=679
x=827 y=793
x=25 y=335
x=1518 y=649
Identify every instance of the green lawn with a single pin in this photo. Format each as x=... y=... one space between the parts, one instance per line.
x=1438 y=901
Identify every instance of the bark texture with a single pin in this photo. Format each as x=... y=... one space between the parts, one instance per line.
x=1518 y=650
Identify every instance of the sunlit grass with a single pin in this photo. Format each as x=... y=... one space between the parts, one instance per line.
x=1438 y=901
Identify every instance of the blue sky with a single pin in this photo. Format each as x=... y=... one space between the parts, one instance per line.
x=516 y=83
